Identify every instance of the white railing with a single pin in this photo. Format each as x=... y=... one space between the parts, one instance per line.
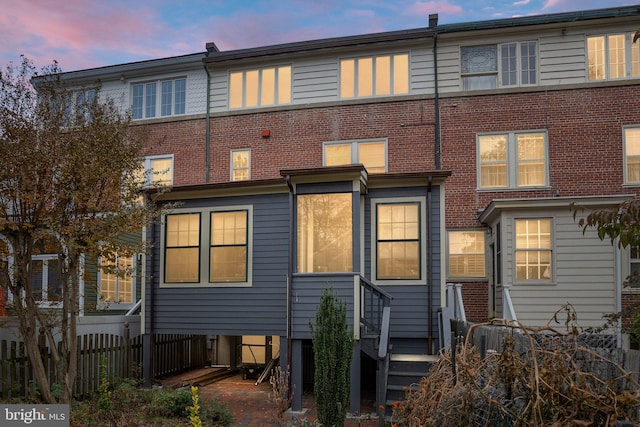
x=508 y=311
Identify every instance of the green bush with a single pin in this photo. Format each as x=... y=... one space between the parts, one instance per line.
x=170 y=403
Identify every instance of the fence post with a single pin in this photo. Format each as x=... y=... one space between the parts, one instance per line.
x=127 y=351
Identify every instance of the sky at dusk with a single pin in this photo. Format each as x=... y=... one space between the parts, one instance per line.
x=82 y=34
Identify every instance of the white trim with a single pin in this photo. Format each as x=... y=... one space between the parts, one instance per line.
x=422 y=205
x=100 y=304
x=204 y=249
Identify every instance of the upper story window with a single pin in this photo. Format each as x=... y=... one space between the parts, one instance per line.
x=533 y=251
x=240 y=165
x=380 y=75
x=612 y=56
x=158 y=170
x=466 y=254
x=512 y=160
x=371 y=153
x=631 y=137
x=166 y=97
x=325 y=238
x=504 y=65
x=116 y=280
x=260 y=87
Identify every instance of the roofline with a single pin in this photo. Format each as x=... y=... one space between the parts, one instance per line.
x=318 y=44
x=551 y=18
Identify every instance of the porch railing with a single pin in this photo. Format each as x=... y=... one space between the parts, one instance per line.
x=374 y=303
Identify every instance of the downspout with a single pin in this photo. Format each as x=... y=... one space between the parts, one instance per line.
x=207 y=132
x=433 y=23
x=429 y=267
x=290 y=287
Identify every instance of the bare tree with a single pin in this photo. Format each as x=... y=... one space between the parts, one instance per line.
x=69 y=185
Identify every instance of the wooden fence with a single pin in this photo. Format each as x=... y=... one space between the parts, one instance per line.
x=123 y=354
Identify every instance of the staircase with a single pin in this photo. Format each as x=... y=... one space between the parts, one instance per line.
x=405 y=371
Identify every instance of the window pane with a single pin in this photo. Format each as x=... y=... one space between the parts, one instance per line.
x=228 y=255
x=240 y=165
x=325 y=233
x=150 y=100
x=635 y=59
x=166 y=100
x=347 y=78
x=182 y=265
x=54 y=281
x=493 y=161
x=383 y=75
x=161 y=172
x=183 y=230
x=235 y=90
x=372 y=156
x=466 y=254
x=398 y=241
x=528 y=63
x=533 y=249
x=365 y=76
x=284 y=85
x=632 y=152
x=616 y=56
x=268 y=86
x=180 y=96
x=251 y=88
x=479 y=59
x=479 y=82
x=509 y=63
x=400 y=74
x=595 y=46
x=337 y=154
x=531 y=159
x=37 y=268
x=138 y=101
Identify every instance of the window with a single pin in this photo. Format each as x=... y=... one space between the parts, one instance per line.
x=117 y=280
x=229 y=247
x=612 y=56
x=398 y=241
x=208 y=247
x=512 y=160
x=374 y=76
x=260 y=87
x=632 y=155
x=182 y=248
x=633 y=280
x=371 y=153
x=533 y=250
x=510 y=64
x=325 y=233
x=466 y=254
x=171 y=99
x=158 y=170
x=240 y=165
x=83 y=101
x=46 y=284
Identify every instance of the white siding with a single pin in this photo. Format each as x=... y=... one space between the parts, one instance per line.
x=562 y=59
x=448 y=68
x=421 y=72
x=584 y=273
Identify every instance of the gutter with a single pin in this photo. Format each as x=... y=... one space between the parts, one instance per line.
x=290 y=287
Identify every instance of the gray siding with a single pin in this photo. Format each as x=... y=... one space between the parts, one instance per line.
x=562 y=59
x=421 y=72
x=256 y=310
x=315 y=80
x=409 y=308
x=584 y=273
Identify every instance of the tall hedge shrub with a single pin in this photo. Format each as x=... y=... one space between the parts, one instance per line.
x=333 y=344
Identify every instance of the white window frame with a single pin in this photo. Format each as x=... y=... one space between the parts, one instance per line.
x=113 y=305
x=233 y=168
x=259 y=100
x=631 y=56
x=551 y=249
x=499 y=62
x=157 y=95
x=45 y=259
x=512 y=161
x=149 y=172
x=203 y=252
x=373 y=58
x=484 y=254
x=355 y=152
x=626 y=156
x=422 y=207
